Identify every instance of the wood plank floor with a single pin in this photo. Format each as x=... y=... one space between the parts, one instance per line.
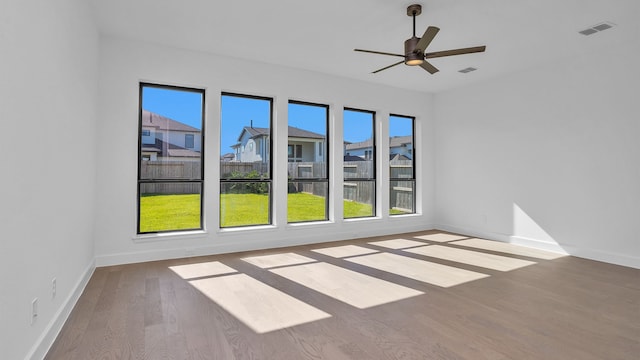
x=372 y=298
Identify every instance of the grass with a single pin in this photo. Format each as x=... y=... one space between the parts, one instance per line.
x=244 y=209
x=354 y=209
x=305 y=207
x=182 y=212
x=169 y=212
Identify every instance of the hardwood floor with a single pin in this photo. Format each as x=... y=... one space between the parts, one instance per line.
x=426 y=295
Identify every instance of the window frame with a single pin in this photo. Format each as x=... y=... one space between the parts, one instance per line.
x=141 y=181
x=413 y=162
x=326 y=156
x=374 y=168
x=269 y=181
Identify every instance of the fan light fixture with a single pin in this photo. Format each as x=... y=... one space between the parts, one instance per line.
x=412 y=57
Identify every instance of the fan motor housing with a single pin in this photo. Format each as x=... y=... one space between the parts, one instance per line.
x=411 y=56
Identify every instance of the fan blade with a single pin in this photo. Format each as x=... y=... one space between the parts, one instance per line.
x=430 y=68
x=386 y=67
x=426 y=39
x=454 y=52
x=377 y=52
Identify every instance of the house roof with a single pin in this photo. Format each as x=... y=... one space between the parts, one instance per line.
x=301 y=133
x=150 y=119
x=352 y=158
x=293 y=132
x=398 y=157
x=400 y=140
x=394 y=141
x=358 y=145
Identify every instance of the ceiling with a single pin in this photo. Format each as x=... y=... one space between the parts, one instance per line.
x=320 y=35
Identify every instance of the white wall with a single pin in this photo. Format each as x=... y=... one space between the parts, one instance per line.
x=125 y=63
x=547 y=157
x=48 y=72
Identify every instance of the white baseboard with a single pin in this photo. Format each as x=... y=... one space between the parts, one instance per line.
x=290 y=239
x=537 y=244
x=587 y=253
x=44 y=342
x=474 y=232
x=608 y=257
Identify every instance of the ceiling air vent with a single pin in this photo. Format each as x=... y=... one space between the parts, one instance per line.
x=467 y=70
x=595 y=28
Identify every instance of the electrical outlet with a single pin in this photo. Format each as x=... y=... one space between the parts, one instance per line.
x=34 y=310
x=54 y=288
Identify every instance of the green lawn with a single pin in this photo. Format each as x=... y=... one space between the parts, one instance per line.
x=305 y=207
x=169 y=212
x=244 y=209
x=181 y=212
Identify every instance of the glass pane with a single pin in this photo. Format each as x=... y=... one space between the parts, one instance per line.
x=171 y=133
x=307 y=201
x=245 y=138
x=170 y=206
x=402 y=197
x=401 y=147
x=244 y=203
x=359 y=198
x=359 y=152
x=307 y=135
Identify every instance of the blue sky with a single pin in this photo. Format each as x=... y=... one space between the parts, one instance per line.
x=238 y=112
x=183 y=106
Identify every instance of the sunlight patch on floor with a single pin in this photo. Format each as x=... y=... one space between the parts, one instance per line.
x=441 y=237
x=259 y=306
x=509 y=248
x=489 y=261
x=424 y=271
x=345 y=251
x=397 y=243
x=275 y=260
x=203 y=269
x=351 y=287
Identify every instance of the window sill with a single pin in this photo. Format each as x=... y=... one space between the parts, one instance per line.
x=177 y=235
x=403 y=216
x=308 y=224
x=368 y=218
x=247 y=228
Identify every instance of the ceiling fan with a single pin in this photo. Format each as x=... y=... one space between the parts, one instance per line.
x=414 y=48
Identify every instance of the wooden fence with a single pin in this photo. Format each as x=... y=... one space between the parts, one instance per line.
x=227 y=168
x=170 y=170
x=401 y=192
x=401 y=195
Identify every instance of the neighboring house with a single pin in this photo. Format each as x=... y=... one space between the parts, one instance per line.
x=253 y=144
x=305 y=146
x=169 y=140
x=228 y=157
x=402 y=146
x=362 y=150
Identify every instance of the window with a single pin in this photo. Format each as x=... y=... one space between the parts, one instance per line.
x=245 y=183
x=308 y=188
x=188 y=141
x=402 y=182
x=359 y=163
x=294 y=152
x=170 y=179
